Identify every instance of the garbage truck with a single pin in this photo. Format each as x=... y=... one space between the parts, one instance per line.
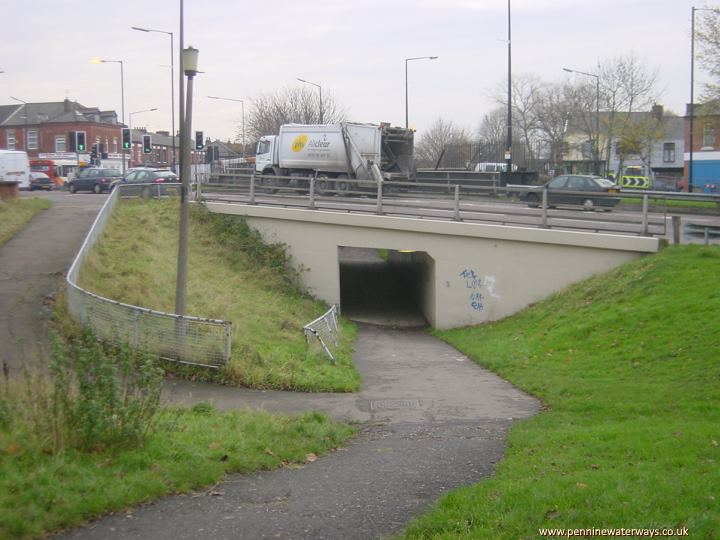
x=337 y=155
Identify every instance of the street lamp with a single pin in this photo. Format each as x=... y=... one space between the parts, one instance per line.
x=25 y=135
x=138 y=112
x=319 y=88
x=122 y=95
x=406 y=80
x=597 y=114
x=172 y=81
x=242 y=104
x=190 y=64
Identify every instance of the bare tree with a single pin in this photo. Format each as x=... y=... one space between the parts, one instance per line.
x=292 y=105
x=443 y=136
x=707 y=35
x=626 y=88
x=557 y=105
x=492 y=128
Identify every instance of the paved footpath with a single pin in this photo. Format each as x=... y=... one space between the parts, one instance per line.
x=32 y=264
x=432 y=419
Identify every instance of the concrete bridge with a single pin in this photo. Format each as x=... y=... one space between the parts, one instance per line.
x=453 y=273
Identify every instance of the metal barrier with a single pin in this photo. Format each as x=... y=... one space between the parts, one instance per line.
x=440 y=201
x=324 y=329
x=185 y=339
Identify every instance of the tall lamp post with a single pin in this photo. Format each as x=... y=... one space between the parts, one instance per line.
x=172 y=82
x=508 y=141
x=319 y=88
x=138 y=112
x=406 y=82
x=25 y=134
x=122 y=95
x=597 y=114
x=190 y=64
x=242 y=104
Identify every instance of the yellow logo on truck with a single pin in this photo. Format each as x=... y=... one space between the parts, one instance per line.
x=299 y=143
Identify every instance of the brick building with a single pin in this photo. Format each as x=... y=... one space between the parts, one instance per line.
x=44 y=128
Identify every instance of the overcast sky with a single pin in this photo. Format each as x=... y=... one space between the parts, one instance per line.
x=354 y=48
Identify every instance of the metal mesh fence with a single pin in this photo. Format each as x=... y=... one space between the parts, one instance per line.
x=324 y=329
x=186 y=339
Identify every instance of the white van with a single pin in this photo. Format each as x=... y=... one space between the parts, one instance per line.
x=493 y=167
x=15 y=167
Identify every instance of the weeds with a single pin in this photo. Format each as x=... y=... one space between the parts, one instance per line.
x=91 y=397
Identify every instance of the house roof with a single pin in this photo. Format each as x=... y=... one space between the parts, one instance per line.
x=53 y=112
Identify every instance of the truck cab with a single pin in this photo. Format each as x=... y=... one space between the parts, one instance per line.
x=266 y=153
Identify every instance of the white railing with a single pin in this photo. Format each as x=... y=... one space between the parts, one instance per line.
x=324 y=329
x=185 y=339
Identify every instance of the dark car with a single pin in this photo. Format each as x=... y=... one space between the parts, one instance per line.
x=588 y=191
x=144 y=176
x=95 y=179
x=39 y=180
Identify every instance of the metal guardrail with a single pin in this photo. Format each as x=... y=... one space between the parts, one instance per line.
x=441 y=200
x=324 y=329
x=185 y=339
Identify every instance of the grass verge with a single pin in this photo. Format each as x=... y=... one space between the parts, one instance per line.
x=42 y=491
x=627 y=364
x=15 y=213
x=661 y=203
x=232 y=275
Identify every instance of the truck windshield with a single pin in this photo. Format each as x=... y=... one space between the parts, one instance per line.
x=263 y=147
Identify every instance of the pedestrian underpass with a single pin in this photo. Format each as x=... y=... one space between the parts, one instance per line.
x=453 y=273
x=384 y=286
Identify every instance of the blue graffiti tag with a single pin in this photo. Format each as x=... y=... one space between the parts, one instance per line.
x=473 y=282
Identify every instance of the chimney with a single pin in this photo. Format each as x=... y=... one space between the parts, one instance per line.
x=657 y=111
x=67 y=105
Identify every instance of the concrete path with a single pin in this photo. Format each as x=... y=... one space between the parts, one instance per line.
x=32 y=263
x=432 y=419
x=435 y=421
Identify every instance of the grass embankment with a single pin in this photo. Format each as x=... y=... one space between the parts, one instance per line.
x=661 y=203
x=15 y=213
x=42 y=490
x=233 y=276
x=628 y=365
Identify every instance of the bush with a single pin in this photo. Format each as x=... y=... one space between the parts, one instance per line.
x=93 y=397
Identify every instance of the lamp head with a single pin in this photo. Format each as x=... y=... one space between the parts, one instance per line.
x=190 y=61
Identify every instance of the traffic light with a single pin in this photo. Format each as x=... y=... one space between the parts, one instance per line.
x=80 y=145
x=126 y=139
x=94 y=152
x=72 y=138
x=199 y=141
x=147 y=144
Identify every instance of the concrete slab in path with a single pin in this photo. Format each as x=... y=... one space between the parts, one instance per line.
x=435 y=421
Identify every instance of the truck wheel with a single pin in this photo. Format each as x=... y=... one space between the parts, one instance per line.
x=343 y=186
x=270 y=183
x=323 y=185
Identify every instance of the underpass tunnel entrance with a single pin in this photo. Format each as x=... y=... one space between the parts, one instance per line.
x=387 y=286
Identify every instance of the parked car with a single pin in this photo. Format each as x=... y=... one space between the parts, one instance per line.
x=95 y=179
x=145 y=175
x=40 y=180
x=588 y=191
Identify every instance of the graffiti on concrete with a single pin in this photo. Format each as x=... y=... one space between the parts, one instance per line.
x=478 y=287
